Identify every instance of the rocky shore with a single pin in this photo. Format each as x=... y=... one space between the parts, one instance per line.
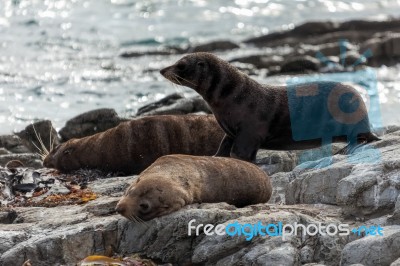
x=313 y=47
x=73 y=216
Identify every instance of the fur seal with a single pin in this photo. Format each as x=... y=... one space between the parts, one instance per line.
x=255 y=116
x=174 y=181
x=132 y=146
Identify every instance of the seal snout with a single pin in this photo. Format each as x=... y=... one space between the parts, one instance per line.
x=120 y=208
x=48 y=162
x=164 y=71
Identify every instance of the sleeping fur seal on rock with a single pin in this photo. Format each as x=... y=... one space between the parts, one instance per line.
x=174 y=181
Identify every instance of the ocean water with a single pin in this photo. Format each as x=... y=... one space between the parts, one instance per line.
x=60 y=58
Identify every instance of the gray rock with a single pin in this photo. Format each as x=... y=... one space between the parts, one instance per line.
x=300 y=64
x=175 y=104
x=396 y=262
x=167 y=100
x=370 y=186
x=90 y=123
x=4 y=151
x=260 y=61
x=385 y=49
x=374 y=250
x=161 y=51
x=221 y=45
x=306 y=254
x=279 y=183
x=276 y=161
x=395 y=218
x=283 y=255
x=113 y=186
x=13 y=144
x=214 y=46
x=327 y=49
x=28 y=159
x=62 y=235
x=325 y=32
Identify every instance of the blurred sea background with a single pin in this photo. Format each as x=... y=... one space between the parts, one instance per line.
x=61 y=58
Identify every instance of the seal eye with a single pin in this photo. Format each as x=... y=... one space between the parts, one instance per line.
x=201 y=64
x=181 y=66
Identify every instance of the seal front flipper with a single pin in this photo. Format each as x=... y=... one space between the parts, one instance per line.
x=225 y=147
x=245 y=146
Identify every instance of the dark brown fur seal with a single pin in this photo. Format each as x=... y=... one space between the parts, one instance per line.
x=254 y=116
x=174 y=181
x=132 y=146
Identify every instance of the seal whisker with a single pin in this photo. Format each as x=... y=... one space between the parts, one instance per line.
x=142 y=222
x=177 y=81
x=42 y=156
x=135 y=218
x=131 y=218
x=41 y=153
x=39 y=139
x=185 y=80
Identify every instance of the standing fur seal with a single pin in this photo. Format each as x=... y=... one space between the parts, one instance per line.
x=174 y=181
x=254 y=116
x=132 y=146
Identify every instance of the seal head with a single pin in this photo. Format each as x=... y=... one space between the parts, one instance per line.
x=63 y=157
x=151 y=197
x=202 y=72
